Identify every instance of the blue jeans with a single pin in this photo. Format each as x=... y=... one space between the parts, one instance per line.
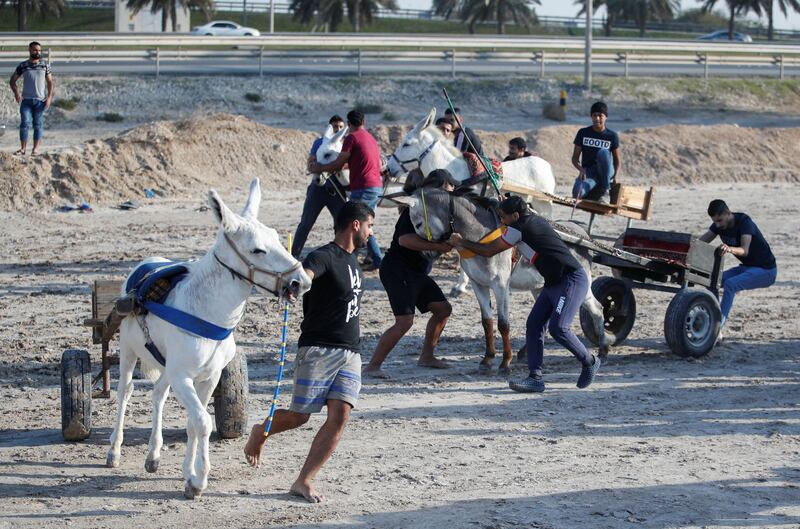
x=558 y=305
x=369 y=196
x=743 y=278
x=598 y=177
x=317 y=198
x=31 y=112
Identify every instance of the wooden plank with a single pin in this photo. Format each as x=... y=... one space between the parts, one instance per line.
x=106 y=292
x=632 y=197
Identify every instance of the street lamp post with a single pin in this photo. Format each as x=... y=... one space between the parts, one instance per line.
x=587 y=66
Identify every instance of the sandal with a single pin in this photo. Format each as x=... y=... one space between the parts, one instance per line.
x=19 y=152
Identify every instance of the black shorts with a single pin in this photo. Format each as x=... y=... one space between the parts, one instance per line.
x=408 y=289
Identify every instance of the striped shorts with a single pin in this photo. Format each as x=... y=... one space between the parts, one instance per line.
x=323 y=373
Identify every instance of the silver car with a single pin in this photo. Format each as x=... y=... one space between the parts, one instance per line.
x=225 y=28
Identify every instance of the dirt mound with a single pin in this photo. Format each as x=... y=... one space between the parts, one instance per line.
x=225 y=151
x=173 y=158
x=675 y=154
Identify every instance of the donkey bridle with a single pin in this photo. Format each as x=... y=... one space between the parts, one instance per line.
x=252 y=269
x=451 y=220
x=418 y=159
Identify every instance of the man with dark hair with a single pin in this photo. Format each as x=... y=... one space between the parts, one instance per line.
x=328 y=364
x=596 y=157
x=405 y=277
x=326 y=194
x=446 y=126
x=361 y=152
x=565 y=287
x=460 y=135
x=37 y=93
x=517 y=148
x=742 y=239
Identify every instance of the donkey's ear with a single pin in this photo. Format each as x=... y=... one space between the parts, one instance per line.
x=431 y=118
x=250 y=210
x=225 y=217
x=409 y=201
x=339 y=135
x=328 y=132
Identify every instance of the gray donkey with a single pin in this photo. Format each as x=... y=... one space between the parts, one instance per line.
x=436 y=214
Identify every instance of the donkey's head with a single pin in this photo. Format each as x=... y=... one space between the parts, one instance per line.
x=253 y=252
x=407 y=156
x=429 y=209
x=331 y=147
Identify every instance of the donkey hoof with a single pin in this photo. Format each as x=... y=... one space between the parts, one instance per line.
x=484 y=369
x=151 y=465
x=190 y=492
x=504 y=371
x=603 y=351
x=455 y=292
x=112 y=460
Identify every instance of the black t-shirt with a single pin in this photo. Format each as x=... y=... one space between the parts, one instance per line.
x=413 y=259
x=590 y=141
x=332 y=306
x=538 y=242
x=759 y=254
x=462 y=144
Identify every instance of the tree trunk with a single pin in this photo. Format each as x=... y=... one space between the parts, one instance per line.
x=731 y=22
x=771 y=21
x=356 y=15
x=22 y=15
x=164 y=15
x=609 y=24
x=642 y=22
x=501 y=26
x=173 y=14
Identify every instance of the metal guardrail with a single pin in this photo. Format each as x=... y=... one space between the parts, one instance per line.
x=356 y=49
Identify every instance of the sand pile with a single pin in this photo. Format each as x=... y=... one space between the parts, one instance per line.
x=676 y=154
x=176 y=158
x=172 y=158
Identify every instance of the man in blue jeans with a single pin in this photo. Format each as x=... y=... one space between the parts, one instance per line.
x=362 y=154
x=36 y=96
x=596 y=156
x=741 y=238
x=331 y=195
x=565 y=287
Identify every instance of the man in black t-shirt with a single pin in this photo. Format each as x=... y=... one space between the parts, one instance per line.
x=328 y=364
x=404 y=275
x=460 y=135
x=596 y=157
x=742 y=239
x=565 y=287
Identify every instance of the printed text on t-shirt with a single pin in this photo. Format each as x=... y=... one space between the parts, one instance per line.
x=596 y=143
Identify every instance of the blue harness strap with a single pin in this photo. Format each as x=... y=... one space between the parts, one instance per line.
x=139 y=285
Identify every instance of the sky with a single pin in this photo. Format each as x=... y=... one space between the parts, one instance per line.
x=566 y=8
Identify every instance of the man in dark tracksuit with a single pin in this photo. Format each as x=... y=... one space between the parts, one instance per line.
x=565 y=287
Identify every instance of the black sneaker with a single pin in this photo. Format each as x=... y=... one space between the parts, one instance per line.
x=527 y=385
x=588 y=373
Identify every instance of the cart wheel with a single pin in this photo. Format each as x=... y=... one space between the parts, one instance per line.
x=76 y=395
x=619 y=310
x=230 y=399
x=692 y=322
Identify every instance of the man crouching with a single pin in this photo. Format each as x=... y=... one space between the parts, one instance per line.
x=328 y=363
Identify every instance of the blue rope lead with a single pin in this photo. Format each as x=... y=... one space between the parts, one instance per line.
x=282 y=359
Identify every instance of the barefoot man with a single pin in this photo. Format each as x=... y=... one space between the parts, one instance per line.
x=328 y=364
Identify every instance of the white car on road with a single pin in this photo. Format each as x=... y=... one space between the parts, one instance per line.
x=224 y=28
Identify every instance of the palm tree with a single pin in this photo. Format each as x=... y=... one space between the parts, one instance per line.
x=640 y=11
x=784 y=6
x=736 y=7
x=331 y=12
x=474 y=11
x=169 y=9
x=36 y=7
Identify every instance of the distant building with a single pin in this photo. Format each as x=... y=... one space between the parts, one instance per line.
x=145 y=21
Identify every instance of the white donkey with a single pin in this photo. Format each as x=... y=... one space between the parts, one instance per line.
x=328 y=151
x=442 y=214
x=426 y=148
x=246 y=254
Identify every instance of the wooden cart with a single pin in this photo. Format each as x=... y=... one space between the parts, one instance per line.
x=664 y=261
x=79 y=386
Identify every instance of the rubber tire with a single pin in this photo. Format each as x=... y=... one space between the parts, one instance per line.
x=608 y=291
x=230 y=399
x=76 y=394
x=675 y=322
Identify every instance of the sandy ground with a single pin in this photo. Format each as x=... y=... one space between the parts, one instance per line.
x=656 y=442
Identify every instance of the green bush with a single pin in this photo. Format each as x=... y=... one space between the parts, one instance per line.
x=369 y=108
x=388 y=116
x=253 y=98
x=110 y=117
x=67 y=104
